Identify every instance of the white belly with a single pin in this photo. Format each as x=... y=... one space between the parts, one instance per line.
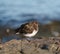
x=32 y=34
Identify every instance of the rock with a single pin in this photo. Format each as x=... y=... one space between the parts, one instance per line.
x=35 y=46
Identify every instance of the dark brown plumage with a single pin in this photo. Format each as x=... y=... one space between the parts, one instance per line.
x=27 y=27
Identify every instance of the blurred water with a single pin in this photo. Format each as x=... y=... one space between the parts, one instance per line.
x=15 y=12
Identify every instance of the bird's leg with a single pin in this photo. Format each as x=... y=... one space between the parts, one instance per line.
x=30 y=39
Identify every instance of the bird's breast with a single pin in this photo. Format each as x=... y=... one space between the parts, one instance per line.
x=31 y=34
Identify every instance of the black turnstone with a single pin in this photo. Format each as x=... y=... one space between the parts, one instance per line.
x=29 y=29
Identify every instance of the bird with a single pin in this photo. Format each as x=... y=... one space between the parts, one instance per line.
x=29 y=29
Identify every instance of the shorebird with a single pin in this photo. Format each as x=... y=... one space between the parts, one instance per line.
x=29 y=29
